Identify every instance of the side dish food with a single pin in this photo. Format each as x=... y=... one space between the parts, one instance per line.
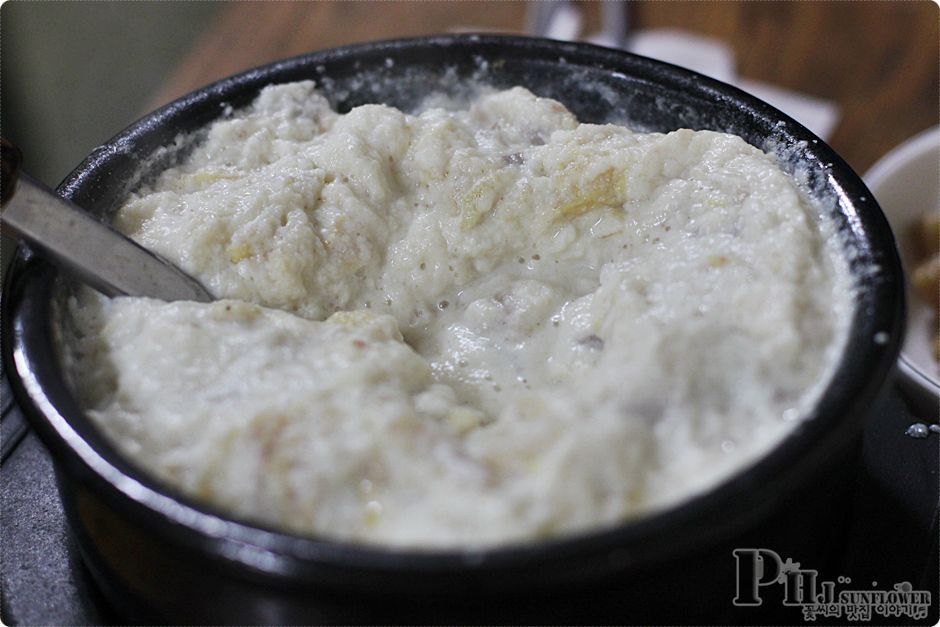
x=463 y=327
x=926 y=275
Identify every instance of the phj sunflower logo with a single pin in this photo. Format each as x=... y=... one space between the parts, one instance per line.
x=802 y=587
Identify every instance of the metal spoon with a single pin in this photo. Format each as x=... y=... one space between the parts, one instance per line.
x=76 y=241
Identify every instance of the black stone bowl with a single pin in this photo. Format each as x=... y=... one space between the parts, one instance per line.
x=162 y=557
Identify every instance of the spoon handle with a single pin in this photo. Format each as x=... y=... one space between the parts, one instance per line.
x=74 y=240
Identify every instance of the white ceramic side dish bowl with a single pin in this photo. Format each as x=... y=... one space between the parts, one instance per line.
x=906 y=183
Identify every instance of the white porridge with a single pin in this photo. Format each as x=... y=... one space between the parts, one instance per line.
x=464 y=327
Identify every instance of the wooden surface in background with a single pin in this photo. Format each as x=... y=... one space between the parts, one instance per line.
x=879 y=61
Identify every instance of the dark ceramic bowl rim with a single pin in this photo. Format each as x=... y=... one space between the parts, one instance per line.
x=862 y=371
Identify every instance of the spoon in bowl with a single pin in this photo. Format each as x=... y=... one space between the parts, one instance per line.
x=76 y=241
